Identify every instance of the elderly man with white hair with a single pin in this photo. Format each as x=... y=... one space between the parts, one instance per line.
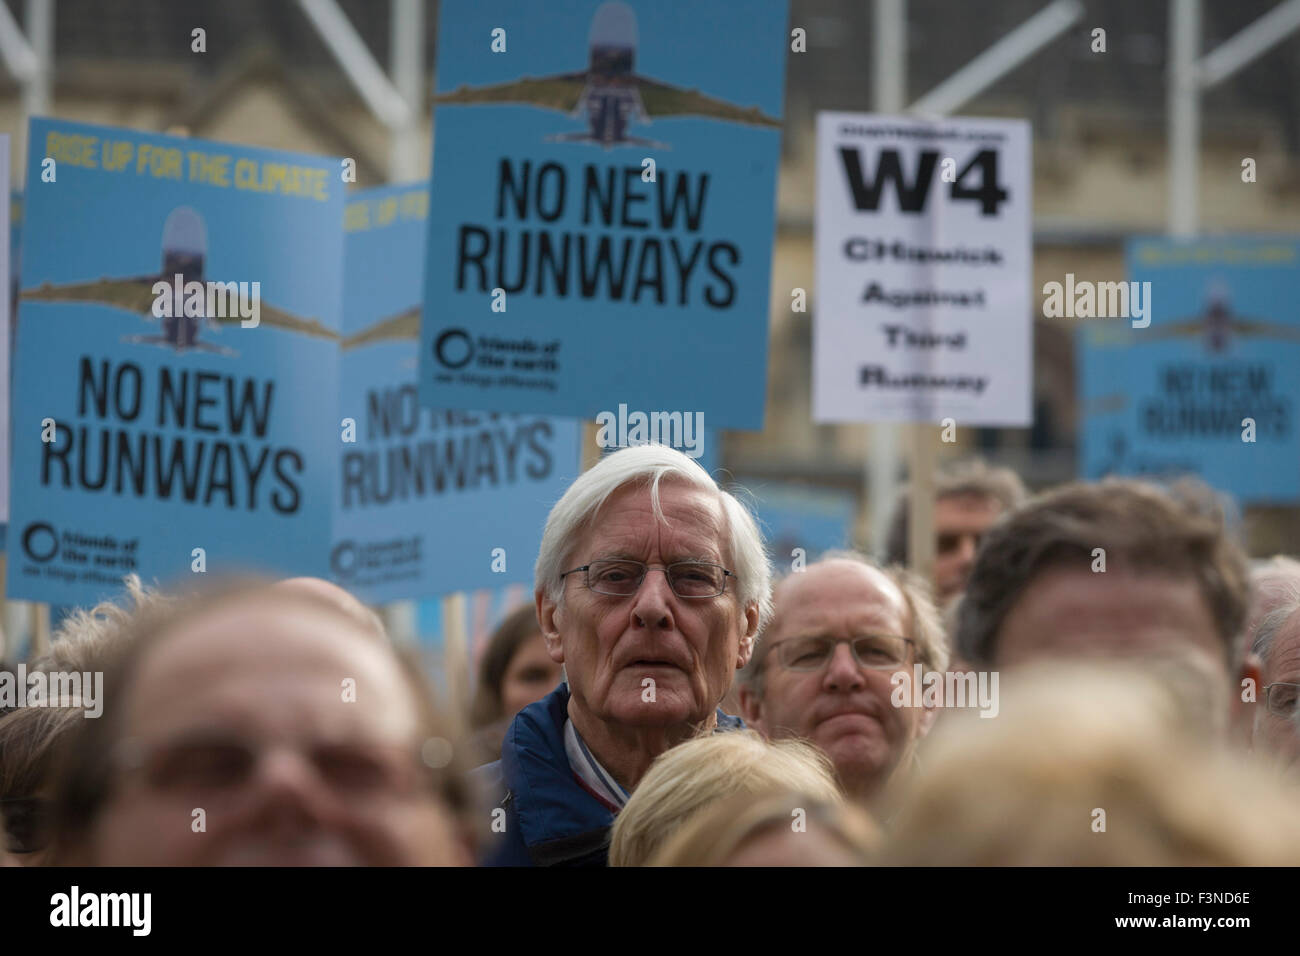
x=1275 y=639
x=651 y=586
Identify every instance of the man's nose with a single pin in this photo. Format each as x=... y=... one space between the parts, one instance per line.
x=287 y=787
x=652 y=606
x=843 y=671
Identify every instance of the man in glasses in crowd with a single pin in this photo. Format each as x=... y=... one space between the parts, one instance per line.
x=651 y=585
x=826 y=667
x=1277 y=644
x=258 y=726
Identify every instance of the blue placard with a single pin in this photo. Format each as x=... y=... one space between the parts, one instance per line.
x=1218 y=366
x=177 y=424
x=610 y=168
x=429 y=501
x=793 y=517
x=685 y=433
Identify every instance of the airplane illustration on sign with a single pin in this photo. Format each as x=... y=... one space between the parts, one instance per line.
x=609 y=93
x=184 y=251
x=1217 y=324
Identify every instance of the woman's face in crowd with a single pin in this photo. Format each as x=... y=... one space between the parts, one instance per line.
x=530 y=676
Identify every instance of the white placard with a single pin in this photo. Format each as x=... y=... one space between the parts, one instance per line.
x=924 y=267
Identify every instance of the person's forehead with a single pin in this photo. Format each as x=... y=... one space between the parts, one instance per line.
x=1073 y=598
x=267 y=648
x=627 y=522
x=967 y=507
x=1283 y=659
x=838 y=593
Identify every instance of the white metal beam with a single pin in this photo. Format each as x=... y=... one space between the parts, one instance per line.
x=357 y=61
x=407 y=45
x=1001 y=58
x=18 y=56
x=1183 y=116
x=1270 y=29
x=37 y=86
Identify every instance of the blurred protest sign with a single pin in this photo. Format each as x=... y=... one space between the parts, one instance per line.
x=811 y=519
x=684 y=432
x=177 y=355
x=923 y=259
x=1212 y=386
x=429 y=502
x=603 y=208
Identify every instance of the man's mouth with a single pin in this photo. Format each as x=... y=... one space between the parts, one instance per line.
x=860 y=714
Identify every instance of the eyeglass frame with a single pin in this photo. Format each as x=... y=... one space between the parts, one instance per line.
x=586 y=577
x=133 y=759
x=1295 y=708
x=772 y=651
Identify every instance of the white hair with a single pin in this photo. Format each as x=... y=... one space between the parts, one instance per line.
x=1275 y=620
x=649 y=465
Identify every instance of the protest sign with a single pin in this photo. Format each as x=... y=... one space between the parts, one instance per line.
x=1210 y=386
x=176 y=370
x=923 y=309
x=604 y=184
x=429 y=501
x=800 y=522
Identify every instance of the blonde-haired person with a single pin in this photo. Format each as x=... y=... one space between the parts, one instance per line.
x=698 y=773
x=1092 y=765
x=781 y=829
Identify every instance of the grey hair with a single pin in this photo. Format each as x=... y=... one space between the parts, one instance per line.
x=970 y=477
x=648 y=465
x=925 y=626
x=1267 y=630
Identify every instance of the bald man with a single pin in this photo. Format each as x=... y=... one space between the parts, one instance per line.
x=341 y=599
x=825 y=667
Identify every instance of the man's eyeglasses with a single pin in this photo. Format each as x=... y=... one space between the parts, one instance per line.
x=872 y=651
x=213 y=766
x=1280 y=698
x=688 y=579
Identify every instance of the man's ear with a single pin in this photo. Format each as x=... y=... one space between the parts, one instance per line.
x=748 y=637
x=926 y=721
x=751 y=708
x=546 y=614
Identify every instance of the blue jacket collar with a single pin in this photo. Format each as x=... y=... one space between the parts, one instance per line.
x=549 y=804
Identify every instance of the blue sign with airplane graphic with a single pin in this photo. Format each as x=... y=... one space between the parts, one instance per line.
x=429 y=501
x=1212 y=386
x=176 y=370
x=603 y=206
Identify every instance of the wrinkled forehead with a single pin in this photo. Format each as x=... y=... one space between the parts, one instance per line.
x=691 y=521
x=1282 y=659
x=838 y=594
x=266 y=658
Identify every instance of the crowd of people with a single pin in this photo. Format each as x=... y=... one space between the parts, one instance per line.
x=1093 y=675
